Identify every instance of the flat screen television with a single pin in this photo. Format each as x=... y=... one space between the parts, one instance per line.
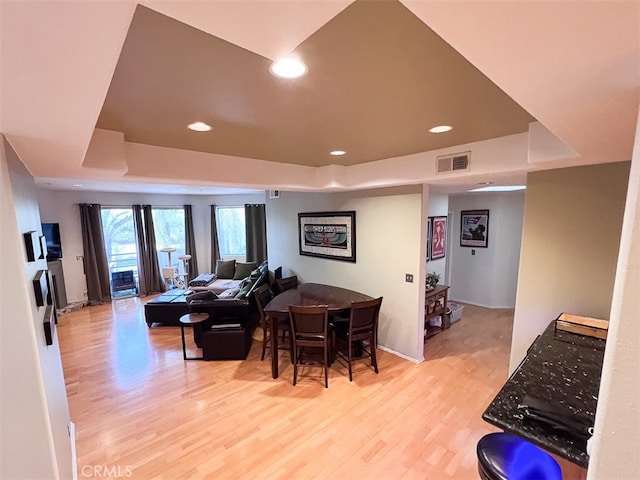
x=51 y=232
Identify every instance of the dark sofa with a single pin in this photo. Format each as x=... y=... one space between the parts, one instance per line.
x=227 y=333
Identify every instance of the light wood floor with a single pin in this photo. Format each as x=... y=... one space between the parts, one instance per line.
x=138 y=407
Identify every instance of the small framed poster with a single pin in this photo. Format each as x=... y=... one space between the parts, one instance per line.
x=438 y=237
x=474 y=228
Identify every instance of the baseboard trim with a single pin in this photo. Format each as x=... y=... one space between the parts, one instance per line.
x=398 y=354
x=465 y=302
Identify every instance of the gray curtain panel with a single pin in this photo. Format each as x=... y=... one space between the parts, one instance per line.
x=96 y=267
x=215 y=246
x=190 y=241
x=148 y=269
x=256 y=226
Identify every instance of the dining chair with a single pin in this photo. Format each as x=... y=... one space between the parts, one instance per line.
x=362 y=325
x=263 y=296
x=309 y=330
x=286 y=283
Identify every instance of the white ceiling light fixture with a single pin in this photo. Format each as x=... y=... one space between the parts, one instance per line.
x=337 y=153
x=289 y=67
x=199 y=127
x=500 y=188
x=440 y=129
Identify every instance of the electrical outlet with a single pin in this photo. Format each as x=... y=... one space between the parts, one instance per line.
x=408 y=278
x=473 y=252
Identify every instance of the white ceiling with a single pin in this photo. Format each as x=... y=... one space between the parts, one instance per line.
x=574 y=66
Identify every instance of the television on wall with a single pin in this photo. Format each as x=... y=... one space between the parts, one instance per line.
x=51 y=232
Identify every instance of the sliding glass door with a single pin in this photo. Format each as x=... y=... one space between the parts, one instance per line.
x=122 y=254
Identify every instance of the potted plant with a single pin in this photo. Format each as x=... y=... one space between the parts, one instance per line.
x=432 y=280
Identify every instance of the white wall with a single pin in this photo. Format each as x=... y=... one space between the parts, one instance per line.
x=570 y=241
x=438 y=206
x=35 y=413
x=62 y=207
x=388 y=245
x=488 y=278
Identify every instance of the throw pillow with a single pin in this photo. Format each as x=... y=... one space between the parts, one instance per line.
x=225 y=268
x=243 y=270
x=242 y=294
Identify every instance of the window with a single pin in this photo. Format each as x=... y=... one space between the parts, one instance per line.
x=231 y=232
x=120 y=241
x=169 y=230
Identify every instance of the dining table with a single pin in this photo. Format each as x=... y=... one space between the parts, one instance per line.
x=336 y=298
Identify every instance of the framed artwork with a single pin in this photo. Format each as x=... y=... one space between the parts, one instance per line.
x=474 y=228
x=429 y=235
x=328 y=235
x=49 y=324
x=31 y=245
x=438 y=237
x=40 y=289
x=43 y=247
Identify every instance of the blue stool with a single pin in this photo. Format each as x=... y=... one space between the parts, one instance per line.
x=503 y=456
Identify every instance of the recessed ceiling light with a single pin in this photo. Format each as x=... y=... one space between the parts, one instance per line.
x=337 y=153
x=288 y=68
x=77 y=185
x=499 y=188
x=199 y=127
x=440 y=129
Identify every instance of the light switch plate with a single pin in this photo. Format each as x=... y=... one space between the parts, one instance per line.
x=408 y=278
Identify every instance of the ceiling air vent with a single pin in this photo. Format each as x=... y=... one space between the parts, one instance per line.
x=274 y=193
x=456 y=162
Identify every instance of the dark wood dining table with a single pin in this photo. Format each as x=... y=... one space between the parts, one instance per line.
x=337 y=299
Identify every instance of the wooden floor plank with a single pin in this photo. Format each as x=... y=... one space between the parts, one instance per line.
x=136 y=403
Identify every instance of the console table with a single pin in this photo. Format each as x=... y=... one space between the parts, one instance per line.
x=435 y=304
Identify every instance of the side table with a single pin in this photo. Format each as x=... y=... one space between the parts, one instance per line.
x=192 y=319
x=435 y=304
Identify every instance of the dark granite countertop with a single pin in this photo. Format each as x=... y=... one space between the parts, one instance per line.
x=562 y=368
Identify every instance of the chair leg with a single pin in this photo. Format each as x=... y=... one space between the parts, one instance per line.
x=350 y=361
x=326 y=367
x=265 y=340
x=374 y=360
x=295 y=365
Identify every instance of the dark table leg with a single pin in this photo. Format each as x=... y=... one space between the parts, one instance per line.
x=184 y=346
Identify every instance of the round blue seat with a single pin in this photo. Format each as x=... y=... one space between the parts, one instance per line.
x=503 y=456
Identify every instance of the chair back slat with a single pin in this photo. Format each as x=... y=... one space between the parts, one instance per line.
x=287 y=283
x=364 y=315
x=309 y=320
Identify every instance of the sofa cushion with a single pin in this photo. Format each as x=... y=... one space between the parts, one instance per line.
x=242 y=294
x=229 y=293
x=243 y=270
x=225 y=268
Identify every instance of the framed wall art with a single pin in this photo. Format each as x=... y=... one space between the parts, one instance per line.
x=429 y=235
x=31 y=245
x=474 y=228
x=438 y=237
x=328 y=235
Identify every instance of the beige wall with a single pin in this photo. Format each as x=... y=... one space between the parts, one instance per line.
x=617 y=429
x=571 y=235
x=388 y=235
x=35 y=414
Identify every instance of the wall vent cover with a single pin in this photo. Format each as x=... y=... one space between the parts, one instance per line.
x=456 y=162
x=274 y=193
